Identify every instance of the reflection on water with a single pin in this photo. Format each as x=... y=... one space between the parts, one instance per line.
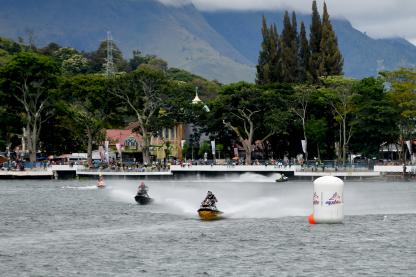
x=66 y=228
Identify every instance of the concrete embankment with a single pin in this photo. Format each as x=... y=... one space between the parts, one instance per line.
x=208 y=171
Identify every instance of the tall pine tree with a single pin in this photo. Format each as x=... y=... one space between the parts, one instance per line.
x=276 y=56
x=295 y=45
x=268 y=68
x=263 y=66
x=304 y=56
x=331 y=60
x=291 y=58
x=289 y=48
x=315 y=42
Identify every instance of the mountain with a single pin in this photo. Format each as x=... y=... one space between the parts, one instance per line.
x=363 y=56
x=217 y=45
x=179 y=35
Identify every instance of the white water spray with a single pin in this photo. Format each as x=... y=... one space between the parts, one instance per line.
x=245 y=196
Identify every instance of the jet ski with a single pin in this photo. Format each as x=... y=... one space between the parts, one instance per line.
x=282 y=178
x=100 y=184
x=209 y=212
x=143 y=198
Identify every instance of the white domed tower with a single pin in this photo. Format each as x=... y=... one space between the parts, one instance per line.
x=196 y=99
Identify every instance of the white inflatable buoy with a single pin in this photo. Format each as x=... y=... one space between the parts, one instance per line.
x=328 y=200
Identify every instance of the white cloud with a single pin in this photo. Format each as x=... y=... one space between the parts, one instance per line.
x=378 y=18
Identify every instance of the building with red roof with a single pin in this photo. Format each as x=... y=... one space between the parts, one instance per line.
x=125 y=137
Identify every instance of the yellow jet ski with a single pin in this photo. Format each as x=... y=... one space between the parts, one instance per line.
x=207 y=212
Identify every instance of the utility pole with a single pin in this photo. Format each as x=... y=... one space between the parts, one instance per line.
x=109 y=65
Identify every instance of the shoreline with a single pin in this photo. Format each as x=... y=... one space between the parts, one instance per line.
x=209 y=171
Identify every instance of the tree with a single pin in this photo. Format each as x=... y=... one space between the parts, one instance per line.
x=139 y=59
x=141 y=92
x=98 y=59
x=316 y=130
x=89 y=105
x=376 y=117
x=289 y=44
x=401 y=86
x=340 y=94
x=263 y=66
x=301 y=99
x=269 y=56
x=276 y=55
x=315 y=42
x=7 y=49
x=30 y=78
x=204 y=148
x=9 y=118
x=219 y=148
x=250 y=113
x=331 y=61
x=206 y=89
x=304 y=56
x=50 y=49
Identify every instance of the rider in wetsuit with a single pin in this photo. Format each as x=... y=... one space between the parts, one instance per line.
x=142 y=189
x=210 y=200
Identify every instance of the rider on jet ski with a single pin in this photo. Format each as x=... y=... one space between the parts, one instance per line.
x=142 y=189
x=210 y=200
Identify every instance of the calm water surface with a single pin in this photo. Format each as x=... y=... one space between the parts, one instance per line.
x=70 y=228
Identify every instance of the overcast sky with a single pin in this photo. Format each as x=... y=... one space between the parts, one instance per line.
x=378 y=18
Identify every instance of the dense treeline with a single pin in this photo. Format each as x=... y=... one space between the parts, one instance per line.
x=64 y=99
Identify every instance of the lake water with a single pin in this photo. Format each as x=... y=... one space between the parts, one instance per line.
x=70 y=228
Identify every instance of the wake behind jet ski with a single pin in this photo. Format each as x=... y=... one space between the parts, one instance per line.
x=208 y=209
x=142 y=197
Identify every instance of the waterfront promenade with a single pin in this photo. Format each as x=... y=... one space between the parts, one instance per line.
x=294 y=171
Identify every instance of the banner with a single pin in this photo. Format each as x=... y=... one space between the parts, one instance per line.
x=182 y=143
x=118 y=146
x=409 y=146
x=101 y=151
x=106 y=143
x=235 y=152
x=213 y=146
x=304 y=145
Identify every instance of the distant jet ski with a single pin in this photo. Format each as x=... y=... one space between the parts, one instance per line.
x=142 y=197
x=100 y=182
x=282 y=178
x=208 y=211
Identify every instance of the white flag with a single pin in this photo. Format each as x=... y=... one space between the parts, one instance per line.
x=304 y=145
x=409 y=146
x=101 y=151
x=213 y=146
